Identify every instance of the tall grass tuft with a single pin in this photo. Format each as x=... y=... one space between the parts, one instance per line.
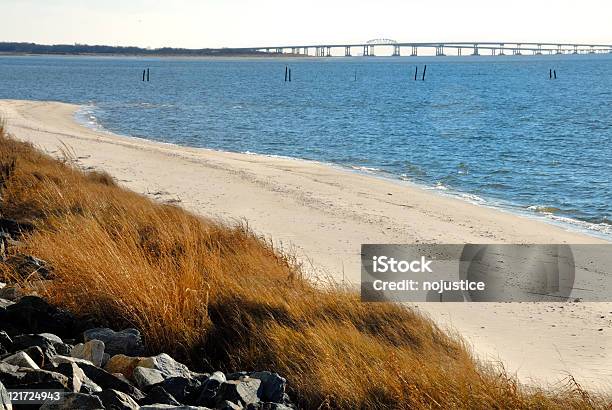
x=219 y=297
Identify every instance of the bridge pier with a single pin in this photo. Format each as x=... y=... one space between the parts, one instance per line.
x=328 y=54
x=539 y=52
x=575 y=49
x=347 y=51
x=517 y=50
x=279 y=51
x=501 y=50
x=396 y=51
x=459 y=51
x=440 y=50
x=559 y=51
x=415 y=51
x=306 y=51
x=493 y=51
x=476 y=53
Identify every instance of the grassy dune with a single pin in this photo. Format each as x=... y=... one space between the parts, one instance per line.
x=219 y=297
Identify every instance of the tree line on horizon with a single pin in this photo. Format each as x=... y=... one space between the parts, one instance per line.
x=76 y=49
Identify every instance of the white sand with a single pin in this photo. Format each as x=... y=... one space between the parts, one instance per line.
x=324 y=213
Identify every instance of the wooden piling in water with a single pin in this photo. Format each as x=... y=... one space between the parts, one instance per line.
x=144 y=73
x=416 y=72
x=148 y=75
x=550 y=74
x=286 y=73
x=555 y=74
x=424 y=71
x=289 y=75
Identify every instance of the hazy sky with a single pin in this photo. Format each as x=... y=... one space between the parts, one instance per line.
x=218 y=23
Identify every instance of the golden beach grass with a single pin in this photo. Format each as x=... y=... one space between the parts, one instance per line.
x=219 y=297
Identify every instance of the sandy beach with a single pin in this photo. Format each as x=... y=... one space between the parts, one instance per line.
x=323 y=214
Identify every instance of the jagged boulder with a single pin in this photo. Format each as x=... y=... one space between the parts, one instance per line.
x=5 y=403
x=34 y=315
x=73 y=401
x=116 y=400
x=127 y=341
x=92 y=351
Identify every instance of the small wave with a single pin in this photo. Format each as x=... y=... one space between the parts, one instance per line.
x=366 y=169
x=544 y=209
x=472 y=198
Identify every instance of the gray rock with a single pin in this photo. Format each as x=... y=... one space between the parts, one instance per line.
x=166 y=365
x=127 y=342
x=11 y=375
x=21 y=359
x=272 y=386
x=269 y=406
x=33 y=314
x=145 y=377
x=171 y=407
x=6 y=342
x=37 y=355
x=74 y=374
x=182 y=389
x=115 y=400
x=58 y=359
x=228 y=405
x=49 y=343
x=210 y=389
x=43 y=379
x=11 y=293
x=157 y=395
x=109 y=381
x=241 y=392
x=92 y=351
x=5 y=403
x=6 y=303
x=73 y=401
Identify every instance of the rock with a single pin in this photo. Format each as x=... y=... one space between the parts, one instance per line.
x=92 y=351
x=6 y=343
x=43 y=379
x=4 y=303
x=15 y=228
x=74 y=374
x=22 y=360
x=5 y=403
x=122 y=364
x=166 y=365
x=272 y=386
x=183 y=389
x=241 y=392
x=50 y=344
x=108 y=381
x=11 y=293
x=171 y=407
x=33 y=314
x=228 y=405
x=58 y=359
x=27 y=266
x=73 y=401
x=10 y=375
x=157 y=395
x=146 y=377
x=37 y=355
x=127 y=342
x=115 y=400
x=210 y=388
x=269 y=406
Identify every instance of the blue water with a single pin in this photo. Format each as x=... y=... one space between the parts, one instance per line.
x=495 y=130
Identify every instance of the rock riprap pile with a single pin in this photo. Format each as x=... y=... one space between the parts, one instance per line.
x=43 y=348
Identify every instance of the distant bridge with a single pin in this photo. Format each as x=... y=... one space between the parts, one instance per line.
x=473 y=48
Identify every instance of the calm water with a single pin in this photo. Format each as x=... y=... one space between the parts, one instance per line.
x=494 y=130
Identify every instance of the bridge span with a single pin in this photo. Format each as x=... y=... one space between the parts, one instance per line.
x=439 y=48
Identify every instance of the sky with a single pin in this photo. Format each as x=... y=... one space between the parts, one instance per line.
x=246 y=23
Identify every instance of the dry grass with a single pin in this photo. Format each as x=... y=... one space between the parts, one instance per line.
x=219 y=297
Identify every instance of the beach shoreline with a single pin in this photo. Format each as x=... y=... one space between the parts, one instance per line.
x=324 y=213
